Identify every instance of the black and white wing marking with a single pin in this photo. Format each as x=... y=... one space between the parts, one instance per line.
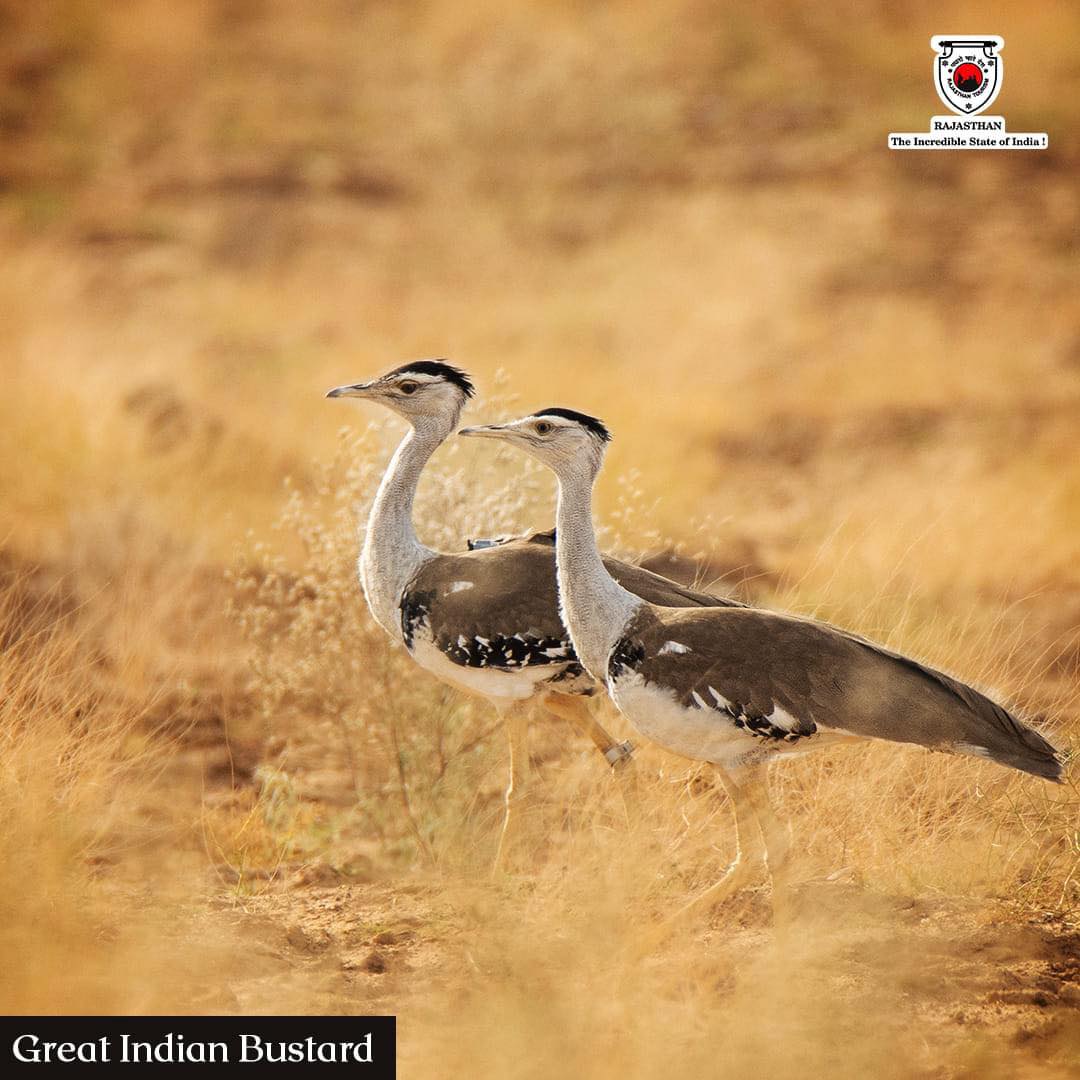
x=493 y=607
x=786 y=679
x=706 y=667
x=496 y=607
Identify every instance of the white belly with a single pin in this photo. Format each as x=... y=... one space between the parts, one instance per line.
x=698 y=734
x=493 y=683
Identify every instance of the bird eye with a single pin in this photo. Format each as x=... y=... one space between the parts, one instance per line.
x=542 y=427
x=408 y=387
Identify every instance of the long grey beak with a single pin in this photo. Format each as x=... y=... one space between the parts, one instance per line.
x=355 y=390
x=484 y=431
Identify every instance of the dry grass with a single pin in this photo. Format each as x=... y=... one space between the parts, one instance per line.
x=69 y=757
x=842 y=382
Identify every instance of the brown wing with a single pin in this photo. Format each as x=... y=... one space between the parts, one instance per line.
x=653 y=588
x=496 y=591
x=782 y=676
x=497 y=606
x=759 y=671
x=663 y=591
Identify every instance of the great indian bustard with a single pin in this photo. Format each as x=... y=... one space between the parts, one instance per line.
x=739 y=686
x=486 y=621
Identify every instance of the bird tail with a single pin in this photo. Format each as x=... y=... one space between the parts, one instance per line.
x=982 y=727
x=1002 y=737
x=1028 y=751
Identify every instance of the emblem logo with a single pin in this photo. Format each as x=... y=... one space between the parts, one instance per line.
x=967 y=71
x=967 y=77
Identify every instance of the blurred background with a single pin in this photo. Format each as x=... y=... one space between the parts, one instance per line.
x=842 y=380
x=678 y=217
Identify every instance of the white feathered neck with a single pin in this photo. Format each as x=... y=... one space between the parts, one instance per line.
x=392 y=554
x=594 y=606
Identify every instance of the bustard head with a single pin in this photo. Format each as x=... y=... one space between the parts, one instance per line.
x=420 y=389
x=560 y=438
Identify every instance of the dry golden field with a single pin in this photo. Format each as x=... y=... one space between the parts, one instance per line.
x=842 y=381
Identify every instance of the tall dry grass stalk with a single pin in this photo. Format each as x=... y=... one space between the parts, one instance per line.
x=71 y=760
x=425 y=763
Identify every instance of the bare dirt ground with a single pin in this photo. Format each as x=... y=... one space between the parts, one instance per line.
x=951 y=985
x=955 y=985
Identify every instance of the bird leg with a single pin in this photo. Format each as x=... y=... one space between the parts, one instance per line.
x=575 y=709
x=774 y=834
x=738 y=874
x=515 y=717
